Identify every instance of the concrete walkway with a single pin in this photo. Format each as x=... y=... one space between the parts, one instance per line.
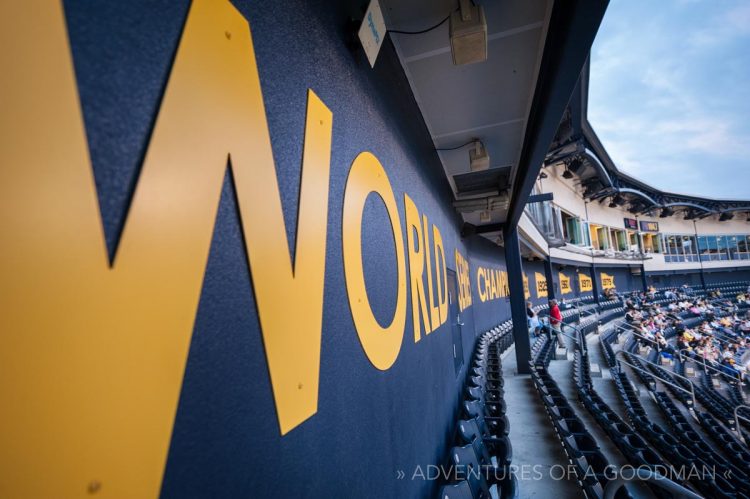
x=537 y=452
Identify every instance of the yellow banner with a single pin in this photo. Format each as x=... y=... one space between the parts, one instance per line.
x=541 y=285
x=608 y=281
x=584 y=283
x=526 y=292
x=565 y=286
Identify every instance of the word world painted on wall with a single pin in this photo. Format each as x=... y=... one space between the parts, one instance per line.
x=129 y=323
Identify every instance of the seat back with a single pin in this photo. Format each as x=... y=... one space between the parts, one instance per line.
x=460 y=490
x=466 y=467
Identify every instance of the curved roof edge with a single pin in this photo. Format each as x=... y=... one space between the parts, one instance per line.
x=576 y=144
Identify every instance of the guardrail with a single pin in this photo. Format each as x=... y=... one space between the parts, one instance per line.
x=707 y=366
x=650 y=373
x=580 y=342
x=737 y=418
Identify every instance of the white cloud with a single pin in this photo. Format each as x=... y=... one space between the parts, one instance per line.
x=670 y=99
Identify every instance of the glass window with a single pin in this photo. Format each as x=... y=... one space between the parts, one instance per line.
x=732 y=247
x=586 y=235
x=722 y=244
x=713 y=250
x=703 y=248
x=689 y=247
x=672 y=247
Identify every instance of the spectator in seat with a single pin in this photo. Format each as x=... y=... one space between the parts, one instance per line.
x=533 y=320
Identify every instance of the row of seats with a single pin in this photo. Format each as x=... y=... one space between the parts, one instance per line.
x=480 y=460
x=690 y=449
x=674 y=450
x=588 y=462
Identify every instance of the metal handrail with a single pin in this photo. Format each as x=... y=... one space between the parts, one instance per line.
x=635 y=333
x=568 y=335
x=652 y=477
x=581 y=341
x=707 y=366
x=737 y=418
x=638 y=368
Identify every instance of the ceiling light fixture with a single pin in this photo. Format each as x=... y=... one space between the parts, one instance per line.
x=666 y=212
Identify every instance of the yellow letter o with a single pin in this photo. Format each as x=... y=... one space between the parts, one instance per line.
x=381 y=344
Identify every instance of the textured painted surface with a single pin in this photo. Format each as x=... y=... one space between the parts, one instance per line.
x=226 y=440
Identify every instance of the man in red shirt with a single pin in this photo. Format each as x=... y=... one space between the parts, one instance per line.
x=555 y=320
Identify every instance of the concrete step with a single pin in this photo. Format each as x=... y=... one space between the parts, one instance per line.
x=537 y=453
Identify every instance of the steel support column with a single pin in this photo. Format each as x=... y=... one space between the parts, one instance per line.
x=644 y=282
x=595 y=284
x=517 y=301
x=550 y=280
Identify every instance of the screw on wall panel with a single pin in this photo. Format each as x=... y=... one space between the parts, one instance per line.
x=94 y=486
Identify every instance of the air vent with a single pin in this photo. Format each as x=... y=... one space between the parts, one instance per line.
x=490 y=181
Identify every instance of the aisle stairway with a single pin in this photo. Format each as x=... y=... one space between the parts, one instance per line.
x=535 y=447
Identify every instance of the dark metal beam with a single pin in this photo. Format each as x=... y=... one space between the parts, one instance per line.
x=517 y=301
x=572 y=28
x=484 y=229
x=538 y=198
x=595 y=284
x=550 y=279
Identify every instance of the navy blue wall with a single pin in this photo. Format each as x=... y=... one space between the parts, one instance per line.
x=531 y=268
x=724 y=276
x=370 y=423
x=624 y=278
x=483 y=253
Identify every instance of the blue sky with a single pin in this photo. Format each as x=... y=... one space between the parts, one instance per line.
x=669 y=93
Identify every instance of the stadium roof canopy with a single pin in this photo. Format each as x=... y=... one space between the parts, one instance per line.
x=577 y=146
x=512 y=102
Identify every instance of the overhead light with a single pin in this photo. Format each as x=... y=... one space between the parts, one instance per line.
x=468 y=34
x=478 y=158
x=542 y=175
x=726 y=216
x=575 y=164
x=617 y=200
x=666 y=212
x=567 y=173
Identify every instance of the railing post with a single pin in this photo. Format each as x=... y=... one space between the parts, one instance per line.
x=737 y=418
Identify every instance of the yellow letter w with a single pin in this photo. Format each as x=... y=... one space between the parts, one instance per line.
x=91 y=356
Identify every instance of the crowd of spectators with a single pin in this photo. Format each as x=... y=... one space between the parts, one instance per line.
x=719 y=327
